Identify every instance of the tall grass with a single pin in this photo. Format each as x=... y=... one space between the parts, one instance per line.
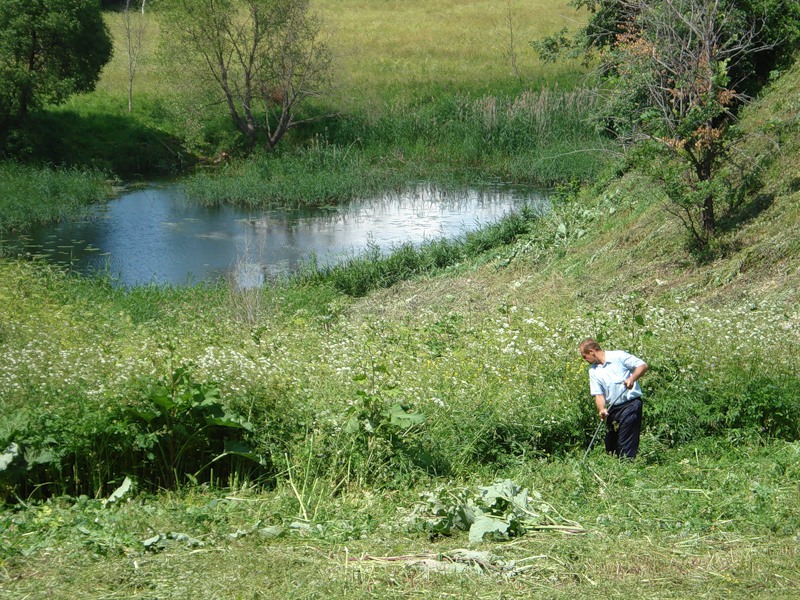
x=539 y=138
x=371 y=270
x=354 y=400
x=31 y=194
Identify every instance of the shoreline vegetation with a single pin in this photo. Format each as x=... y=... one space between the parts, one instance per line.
x=411 y=424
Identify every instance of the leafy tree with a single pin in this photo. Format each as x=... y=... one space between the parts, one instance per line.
x=264 y=56
x=49 y=49
x=675 y=73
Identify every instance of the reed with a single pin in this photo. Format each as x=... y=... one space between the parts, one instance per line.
x=540 y=138
x=30 y=194
x=373 y=269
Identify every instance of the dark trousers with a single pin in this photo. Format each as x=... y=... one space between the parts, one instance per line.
x=624 y=424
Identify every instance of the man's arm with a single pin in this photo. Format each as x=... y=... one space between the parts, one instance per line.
x=637 y=372
x=600 y=401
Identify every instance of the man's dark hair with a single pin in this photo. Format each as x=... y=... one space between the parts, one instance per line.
x=589 y=344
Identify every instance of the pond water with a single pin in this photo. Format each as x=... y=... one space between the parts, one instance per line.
x=154 y=235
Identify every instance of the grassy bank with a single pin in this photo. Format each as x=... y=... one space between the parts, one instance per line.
x=538 y=138
x=31 y=195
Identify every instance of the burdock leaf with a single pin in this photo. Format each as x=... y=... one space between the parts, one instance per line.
x=487 y=524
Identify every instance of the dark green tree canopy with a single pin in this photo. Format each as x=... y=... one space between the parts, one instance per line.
x=49 y=49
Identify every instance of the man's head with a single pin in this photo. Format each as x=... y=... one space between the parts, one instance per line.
x=592 y=352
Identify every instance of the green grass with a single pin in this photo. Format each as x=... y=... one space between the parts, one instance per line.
x=438 y=384
x=39 y=194
x=538 y=138
x=414 y=50
x=712 y=518
x=410 y=103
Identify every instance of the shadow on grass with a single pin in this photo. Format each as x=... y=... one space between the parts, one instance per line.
x=113 y=143
x=746 y=212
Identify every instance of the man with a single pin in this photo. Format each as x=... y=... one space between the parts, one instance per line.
x=613 y=381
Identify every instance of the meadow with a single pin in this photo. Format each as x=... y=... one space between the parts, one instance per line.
x=332 y=442
x=337 y=434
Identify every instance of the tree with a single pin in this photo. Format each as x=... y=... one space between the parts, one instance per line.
x=677 y=70
x=49 y=50
x=135 y=27
x=264 y=56
x=675 y=73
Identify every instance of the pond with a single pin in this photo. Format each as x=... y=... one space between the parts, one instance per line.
x=154 y=235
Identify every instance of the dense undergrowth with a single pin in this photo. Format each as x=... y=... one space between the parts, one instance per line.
x=539 y=138
x=30 y=194
x=263 y=381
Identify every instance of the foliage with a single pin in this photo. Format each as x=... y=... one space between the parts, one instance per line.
x=265 y=58
x=678 y=71
x=371 y=270
x=538 y=138
x=185 y=430
x=179 y=432
x=384 y=439
x=779 y=28
x=499 y=511
x=49 y=49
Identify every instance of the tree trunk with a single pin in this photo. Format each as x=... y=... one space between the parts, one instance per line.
x=707 y=217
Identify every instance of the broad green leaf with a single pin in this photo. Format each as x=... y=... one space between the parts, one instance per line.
x=8 y=456
x=163 y=401
x=153 y=543
x=40 y=457
x=487 y=524
x=272 y=531
x=147 y=415
x=351 y=425
x=229 y=420
x=237 y=448
x=400 y=418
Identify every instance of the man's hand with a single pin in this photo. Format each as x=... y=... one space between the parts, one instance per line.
x=603 y=414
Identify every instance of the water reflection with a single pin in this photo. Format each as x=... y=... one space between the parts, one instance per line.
x=155 y=236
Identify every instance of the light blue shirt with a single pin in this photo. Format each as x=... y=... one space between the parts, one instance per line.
x=607 y=379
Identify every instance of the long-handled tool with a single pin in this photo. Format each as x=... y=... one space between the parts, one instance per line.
x=599 y=425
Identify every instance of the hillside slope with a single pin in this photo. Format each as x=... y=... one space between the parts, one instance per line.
x=618 y=238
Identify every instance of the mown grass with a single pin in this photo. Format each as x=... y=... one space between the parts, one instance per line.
x=712 y=519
